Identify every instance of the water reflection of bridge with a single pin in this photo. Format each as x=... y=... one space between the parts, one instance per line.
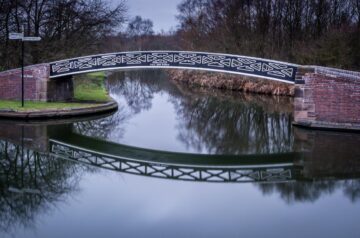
x=35 y=176
x=213 y=171
x=179 y=166
x=61 y=141
x=318 y=155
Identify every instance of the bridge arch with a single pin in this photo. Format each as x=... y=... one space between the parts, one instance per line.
x=226 y=63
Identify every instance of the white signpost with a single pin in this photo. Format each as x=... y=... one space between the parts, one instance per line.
x=31 y=38
x=16 y=36
x=20 y=36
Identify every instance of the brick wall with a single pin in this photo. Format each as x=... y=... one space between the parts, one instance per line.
x=37 y=85
x=327 y=98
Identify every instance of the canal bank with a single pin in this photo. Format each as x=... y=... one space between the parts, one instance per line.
x=68 y=111
x=231 y=82
x=324 y=98
x=88 y=97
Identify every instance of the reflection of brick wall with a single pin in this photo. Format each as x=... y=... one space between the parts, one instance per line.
x=328 y=99
x=330 y=154
x=32 y=136
x=37 y=85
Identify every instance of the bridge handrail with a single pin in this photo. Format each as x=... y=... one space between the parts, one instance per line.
x=177 y=51
x=217 y=62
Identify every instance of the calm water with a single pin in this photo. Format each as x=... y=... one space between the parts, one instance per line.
x=175 y=161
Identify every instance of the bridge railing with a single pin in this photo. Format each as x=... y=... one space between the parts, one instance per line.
x=236 y=64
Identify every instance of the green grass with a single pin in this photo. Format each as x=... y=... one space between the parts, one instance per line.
x=87 y=88
x=37 y=106
x=90 y=87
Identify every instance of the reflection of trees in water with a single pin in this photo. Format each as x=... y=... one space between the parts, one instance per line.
x=352 y=189
x=330 y=157
x=101 y=128
x=311 y=191
x=136 y=89
x=224 y=123
x=233 y=124
x=30 y=184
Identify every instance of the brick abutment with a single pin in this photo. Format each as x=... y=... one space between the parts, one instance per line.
x=37 y=85
x=327 y=98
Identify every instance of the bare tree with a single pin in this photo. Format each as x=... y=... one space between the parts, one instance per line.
x=140 y=29
x=67 y=27
x=304 y=31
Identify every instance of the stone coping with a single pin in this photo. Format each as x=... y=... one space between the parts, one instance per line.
x=28 y=67
x=101 y=108
x=54 y=121
x=332 y=72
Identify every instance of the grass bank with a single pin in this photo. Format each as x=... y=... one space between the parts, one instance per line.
x=39 y=106
x=90 y=87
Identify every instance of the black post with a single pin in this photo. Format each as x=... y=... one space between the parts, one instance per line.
x=22 y=155
x=22 y=73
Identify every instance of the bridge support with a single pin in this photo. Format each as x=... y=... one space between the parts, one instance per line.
x=61 y=89
x=38 y=85
x=327 y=98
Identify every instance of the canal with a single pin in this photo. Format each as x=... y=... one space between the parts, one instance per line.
x=178 y=161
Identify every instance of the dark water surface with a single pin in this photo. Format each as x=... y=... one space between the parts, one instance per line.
x=176 y=161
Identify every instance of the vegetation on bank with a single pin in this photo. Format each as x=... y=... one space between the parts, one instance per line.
x=231 y=82
x=90 y=87
x=39 y=106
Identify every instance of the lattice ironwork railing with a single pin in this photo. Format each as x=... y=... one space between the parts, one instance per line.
x=256 y=173
x=269 y=69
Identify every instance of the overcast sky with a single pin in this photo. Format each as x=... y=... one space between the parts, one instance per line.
x=161 y=12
